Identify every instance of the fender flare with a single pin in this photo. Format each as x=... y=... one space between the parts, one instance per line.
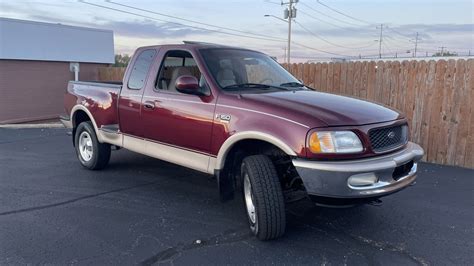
x=249 y=135
x=78 y=107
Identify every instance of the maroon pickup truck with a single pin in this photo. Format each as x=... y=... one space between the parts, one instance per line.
x=240 y=116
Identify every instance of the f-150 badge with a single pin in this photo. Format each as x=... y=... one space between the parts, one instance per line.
x=224 y=117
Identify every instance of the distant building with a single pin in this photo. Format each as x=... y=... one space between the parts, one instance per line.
x=38 y=59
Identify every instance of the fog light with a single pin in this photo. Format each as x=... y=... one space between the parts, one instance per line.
x=360 y=180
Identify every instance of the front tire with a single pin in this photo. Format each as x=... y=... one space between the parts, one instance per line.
x=92 y=154
x=263 y=197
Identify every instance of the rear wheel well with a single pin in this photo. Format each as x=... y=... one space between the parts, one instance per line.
x=78 y=117
x=229 y=175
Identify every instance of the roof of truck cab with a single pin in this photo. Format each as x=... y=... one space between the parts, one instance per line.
x=192 y=45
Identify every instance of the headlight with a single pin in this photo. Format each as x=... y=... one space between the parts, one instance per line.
x=334 y=142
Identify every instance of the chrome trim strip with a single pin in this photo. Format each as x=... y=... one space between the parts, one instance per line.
x=176 y=100
x=263 y=113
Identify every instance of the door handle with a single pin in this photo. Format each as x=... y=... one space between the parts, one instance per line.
x=149 y=105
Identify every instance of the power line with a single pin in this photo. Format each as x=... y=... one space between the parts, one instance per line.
x=346 y=15
x=331 y=43
x=181 y=24
x=386 y=48
x=370 y=23
x=316 y=18
x=192 y=21
x=205 y=29
x=399 y=42
x=326 y=15
x=271 y=2
x=322 y=51
x=397 y=32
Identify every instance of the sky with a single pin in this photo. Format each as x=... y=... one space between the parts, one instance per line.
x=322 y=29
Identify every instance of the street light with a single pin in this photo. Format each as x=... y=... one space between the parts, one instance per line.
x=276 y=18
x=290 y=13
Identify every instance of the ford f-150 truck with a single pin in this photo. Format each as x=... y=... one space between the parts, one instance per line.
x=240 y=116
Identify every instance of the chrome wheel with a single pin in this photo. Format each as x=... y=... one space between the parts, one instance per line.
x=85 y=146
x=249 y=199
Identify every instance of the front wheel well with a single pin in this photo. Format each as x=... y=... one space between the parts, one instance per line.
x=229 y=176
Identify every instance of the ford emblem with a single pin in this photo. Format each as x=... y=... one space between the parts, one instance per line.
x=391 y=135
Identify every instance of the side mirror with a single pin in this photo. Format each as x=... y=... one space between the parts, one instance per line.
x=188 y=84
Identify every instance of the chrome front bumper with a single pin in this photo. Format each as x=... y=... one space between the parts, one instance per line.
x=336 y=179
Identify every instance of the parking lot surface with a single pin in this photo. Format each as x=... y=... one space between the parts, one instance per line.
x=144 y=211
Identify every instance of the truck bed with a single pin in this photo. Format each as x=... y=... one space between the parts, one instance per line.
x=99 y=98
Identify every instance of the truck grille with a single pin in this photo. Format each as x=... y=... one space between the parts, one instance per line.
x=388 y=138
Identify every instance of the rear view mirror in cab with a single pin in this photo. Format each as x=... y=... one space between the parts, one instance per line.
x=188 y=84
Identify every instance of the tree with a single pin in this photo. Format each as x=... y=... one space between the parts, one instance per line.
x=121 y=60
x=445 y=53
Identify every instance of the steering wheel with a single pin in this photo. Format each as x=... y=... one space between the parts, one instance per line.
x=270 y=81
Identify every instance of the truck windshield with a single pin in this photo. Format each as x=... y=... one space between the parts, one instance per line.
x=247 y=71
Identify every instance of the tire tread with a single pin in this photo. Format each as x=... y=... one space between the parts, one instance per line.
x=269 y=196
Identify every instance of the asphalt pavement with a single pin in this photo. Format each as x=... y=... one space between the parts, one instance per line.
x=141 y=210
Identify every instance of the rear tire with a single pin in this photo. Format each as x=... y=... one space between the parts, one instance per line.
x=263 y=197
x=92 y=154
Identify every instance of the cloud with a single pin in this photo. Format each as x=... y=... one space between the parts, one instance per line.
x=399 y=31
x=150 y=29
x=138 y=28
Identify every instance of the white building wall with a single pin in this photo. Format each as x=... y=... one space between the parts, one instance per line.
x=30 y=40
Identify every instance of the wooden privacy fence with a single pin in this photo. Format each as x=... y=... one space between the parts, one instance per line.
x=111 y=73
x=436 y=96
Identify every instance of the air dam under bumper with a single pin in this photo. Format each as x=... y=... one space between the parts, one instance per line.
x=363 y=178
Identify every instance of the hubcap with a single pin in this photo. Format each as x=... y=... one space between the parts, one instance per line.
x=85 y=146
x=249 y=199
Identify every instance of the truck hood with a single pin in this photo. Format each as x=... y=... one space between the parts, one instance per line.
x=313 y=107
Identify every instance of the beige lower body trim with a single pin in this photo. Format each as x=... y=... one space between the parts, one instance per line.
x=110 y=138
x=193 y=160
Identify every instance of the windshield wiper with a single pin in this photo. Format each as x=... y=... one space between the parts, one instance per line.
x=247 y=85
x=292 y=84
x=255 y=86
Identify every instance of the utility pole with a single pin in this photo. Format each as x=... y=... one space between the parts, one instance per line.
x=442 y=50
x=380 y=41
x=290 y=14
x=416 y=44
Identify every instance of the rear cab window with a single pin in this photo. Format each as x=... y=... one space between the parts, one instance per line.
x=140 y=69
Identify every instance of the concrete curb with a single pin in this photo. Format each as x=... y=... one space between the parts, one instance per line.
x=44 y=125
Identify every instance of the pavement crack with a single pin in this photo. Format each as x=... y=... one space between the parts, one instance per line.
x=36 y=208
x=169 y=254
x=386 y=246
x=332 y=231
